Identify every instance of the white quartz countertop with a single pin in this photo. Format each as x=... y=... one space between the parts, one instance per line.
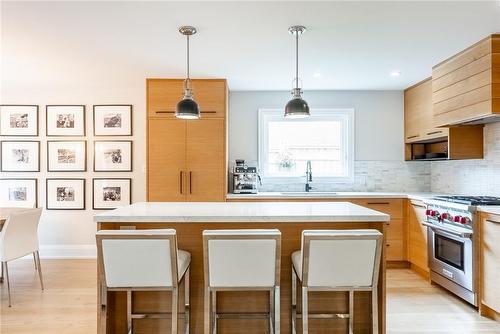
x=320 y=194
x=242 y=212
x=493 y=209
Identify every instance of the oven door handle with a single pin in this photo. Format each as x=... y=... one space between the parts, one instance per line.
x=455 y=233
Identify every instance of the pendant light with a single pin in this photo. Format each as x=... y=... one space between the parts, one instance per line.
x=187 y=108
x=297 y=107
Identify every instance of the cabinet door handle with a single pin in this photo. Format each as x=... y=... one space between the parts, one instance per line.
x=492 y=221
x=190 y=182
x=181 y=174
x=419 y=205
x=410 y=137
x=378 y=203
x=434 y=132
x=164 y=112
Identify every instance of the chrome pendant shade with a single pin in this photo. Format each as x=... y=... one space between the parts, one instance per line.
x=187 y=108
x=297 y=107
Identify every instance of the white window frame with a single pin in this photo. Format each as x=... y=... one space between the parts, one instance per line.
x=268 y=114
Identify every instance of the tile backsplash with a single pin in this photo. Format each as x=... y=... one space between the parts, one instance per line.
x=471 y=177
x=372 y=176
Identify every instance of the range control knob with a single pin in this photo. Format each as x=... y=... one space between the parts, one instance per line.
x=464 y=220
x=428 y=212
x=445 y=216
x=436 y=214
x=457 y=219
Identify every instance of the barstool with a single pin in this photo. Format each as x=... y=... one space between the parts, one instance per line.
x=144 y=260
x=336 y=260
x=241 y=260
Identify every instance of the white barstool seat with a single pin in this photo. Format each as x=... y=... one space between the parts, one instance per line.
x=144 y=260
x=241 y=260
x=336 y=260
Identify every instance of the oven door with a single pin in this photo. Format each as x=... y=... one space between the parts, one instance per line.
x=450 y=256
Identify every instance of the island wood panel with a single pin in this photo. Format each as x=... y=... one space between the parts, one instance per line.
x=190 y=239
x=464 y=86
x=489 y=254
x=396 y=228
x=164 y=94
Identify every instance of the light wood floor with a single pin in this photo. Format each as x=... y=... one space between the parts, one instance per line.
x=68 y=304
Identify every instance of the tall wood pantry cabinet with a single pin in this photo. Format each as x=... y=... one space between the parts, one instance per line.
x=187 y=159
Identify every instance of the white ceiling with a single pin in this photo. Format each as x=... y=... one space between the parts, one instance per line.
x=354 y=45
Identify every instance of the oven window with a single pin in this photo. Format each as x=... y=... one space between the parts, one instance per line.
x=449 y=251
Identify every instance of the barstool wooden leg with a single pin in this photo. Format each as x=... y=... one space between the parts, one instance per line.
x=305 y=312
x=39 y=268
x=187 y=306
x=214 y=312
x=375 y=310
x=351 y=312
x=271 y=311
x=175 y=309
x=207 y=311
x=277 y=310
x=1 y=274
x=129 y=312
x=294 y=302
x=34 y=260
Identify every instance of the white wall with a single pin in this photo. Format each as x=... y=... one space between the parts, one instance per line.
x=378 y=120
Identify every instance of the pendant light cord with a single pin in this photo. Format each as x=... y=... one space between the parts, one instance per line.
x=187 y=57
x=296 y=59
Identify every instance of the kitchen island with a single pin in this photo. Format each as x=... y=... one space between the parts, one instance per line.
x=190 y=219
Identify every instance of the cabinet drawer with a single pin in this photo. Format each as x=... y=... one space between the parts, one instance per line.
x=164 y=94
x=392 y=207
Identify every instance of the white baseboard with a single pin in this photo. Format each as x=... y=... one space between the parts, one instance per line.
x=68 y=251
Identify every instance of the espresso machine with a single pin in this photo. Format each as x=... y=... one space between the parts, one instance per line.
x=246 y=178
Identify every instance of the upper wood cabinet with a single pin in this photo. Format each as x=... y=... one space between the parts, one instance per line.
x=164 y=94
x=419 y=123
x=466 y=87
x=426 y=142
x=187 y=159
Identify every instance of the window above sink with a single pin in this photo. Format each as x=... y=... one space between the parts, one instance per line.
x=326 y=139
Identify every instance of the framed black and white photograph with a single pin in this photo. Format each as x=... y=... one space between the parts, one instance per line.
x=65 y=194
x=67 y=156
x=113 y=120
x=65 y=120
x=18 y=120
x=20 y=156
x=19 y=193
x=113 y=156
x=111 y=193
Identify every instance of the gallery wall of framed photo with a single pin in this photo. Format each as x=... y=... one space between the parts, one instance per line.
x=55 y=163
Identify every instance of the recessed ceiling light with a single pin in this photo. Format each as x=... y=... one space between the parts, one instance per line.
x=395 y=74
x=317 y=75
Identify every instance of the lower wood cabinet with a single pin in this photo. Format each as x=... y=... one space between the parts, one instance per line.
x=417 y=237
x=489 y=253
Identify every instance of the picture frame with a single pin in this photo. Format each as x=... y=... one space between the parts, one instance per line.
x=65 y=194
x=19 y=192
x=65 y=120
x=113 y=156
x=112 y=119
x=18 y=120
x=66 y=156
x=19 y=156
x=110 y=193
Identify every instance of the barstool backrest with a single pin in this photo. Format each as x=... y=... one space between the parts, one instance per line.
x=138 y=258
x=19 y=235
x=341 y=258
x=242 y=258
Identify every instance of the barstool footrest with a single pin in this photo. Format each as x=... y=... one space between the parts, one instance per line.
x=242 y=315
x=154 y=315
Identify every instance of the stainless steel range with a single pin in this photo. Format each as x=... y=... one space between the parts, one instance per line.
x=452 y=242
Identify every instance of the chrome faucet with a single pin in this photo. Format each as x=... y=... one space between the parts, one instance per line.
x=309 y=176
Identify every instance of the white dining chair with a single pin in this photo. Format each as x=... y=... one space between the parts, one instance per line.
x=336 y=260
x=144 y=260
x=18 y=238
x=242 y=260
